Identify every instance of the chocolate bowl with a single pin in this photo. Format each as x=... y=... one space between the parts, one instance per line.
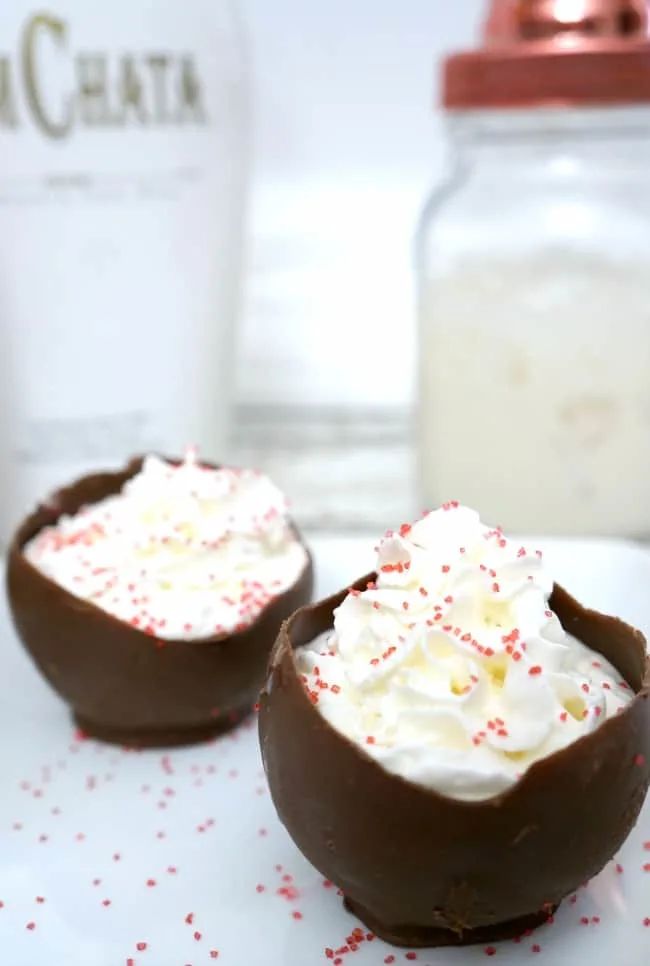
x=421 y=869
x=123 y=685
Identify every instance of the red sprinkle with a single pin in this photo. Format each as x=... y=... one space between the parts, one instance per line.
x=535 y=669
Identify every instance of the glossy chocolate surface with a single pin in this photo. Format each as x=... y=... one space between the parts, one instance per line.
x=123 y=685
x=422 y=869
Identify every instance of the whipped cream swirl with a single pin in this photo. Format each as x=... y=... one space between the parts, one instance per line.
x=451 y=670
x=182 y=552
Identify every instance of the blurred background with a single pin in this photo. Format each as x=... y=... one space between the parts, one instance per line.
x=347 y=145
x=208 y=235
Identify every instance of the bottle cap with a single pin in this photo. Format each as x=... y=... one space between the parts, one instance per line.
x=554 y=53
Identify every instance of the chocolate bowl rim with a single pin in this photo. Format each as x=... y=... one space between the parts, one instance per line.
x=284 y=643
x=31 y=526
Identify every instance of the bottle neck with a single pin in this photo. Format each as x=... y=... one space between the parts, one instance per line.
x=539 y=136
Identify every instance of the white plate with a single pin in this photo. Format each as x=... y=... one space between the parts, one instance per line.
x=101 y=850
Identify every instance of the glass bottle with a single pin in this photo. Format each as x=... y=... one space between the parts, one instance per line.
x=123 y=136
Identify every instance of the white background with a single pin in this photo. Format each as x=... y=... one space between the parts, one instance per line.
x=347 y=145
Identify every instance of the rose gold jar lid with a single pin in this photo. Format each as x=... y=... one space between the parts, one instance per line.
x=554 y=53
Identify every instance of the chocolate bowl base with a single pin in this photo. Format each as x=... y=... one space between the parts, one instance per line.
x=123 y=685
x=170 y=737
x=422 y=868
x=431 y=936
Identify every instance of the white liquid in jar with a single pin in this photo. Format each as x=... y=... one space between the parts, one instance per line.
x=535 y=392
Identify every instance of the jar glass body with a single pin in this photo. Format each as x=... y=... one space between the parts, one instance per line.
x=534 y=318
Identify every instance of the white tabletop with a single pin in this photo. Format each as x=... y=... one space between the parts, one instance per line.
x=102 y=849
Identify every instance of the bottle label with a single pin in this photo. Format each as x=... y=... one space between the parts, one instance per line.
x=95 y=89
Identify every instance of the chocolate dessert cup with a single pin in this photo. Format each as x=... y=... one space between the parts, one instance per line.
x=123 y=685
x=422 y=869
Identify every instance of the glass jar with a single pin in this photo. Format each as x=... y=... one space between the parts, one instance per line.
x=534 y=313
